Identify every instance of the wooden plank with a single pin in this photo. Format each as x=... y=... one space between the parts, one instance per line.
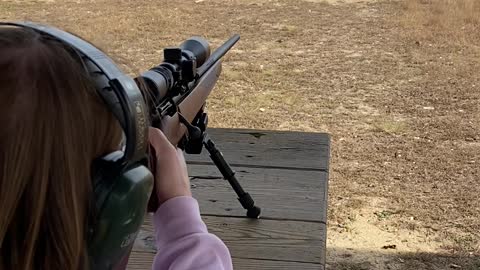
x=289 y=241
x=269 y=148
x=282 y=194
x=141 y=260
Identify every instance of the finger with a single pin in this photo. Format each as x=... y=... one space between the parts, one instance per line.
x=173 y=129
x=158 y=140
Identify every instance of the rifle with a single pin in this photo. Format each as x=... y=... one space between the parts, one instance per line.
x=177 y=90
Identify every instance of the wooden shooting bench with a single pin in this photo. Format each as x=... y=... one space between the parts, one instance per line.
x=287 y=175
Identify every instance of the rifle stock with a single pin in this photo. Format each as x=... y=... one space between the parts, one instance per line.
x=191 y=105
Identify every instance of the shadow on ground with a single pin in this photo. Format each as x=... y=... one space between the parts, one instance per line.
x=352 y=259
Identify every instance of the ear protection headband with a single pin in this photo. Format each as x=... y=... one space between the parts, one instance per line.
x=122 y=182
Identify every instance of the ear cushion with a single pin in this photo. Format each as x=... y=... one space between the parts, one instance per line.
x=121 y=207
x=104 y=172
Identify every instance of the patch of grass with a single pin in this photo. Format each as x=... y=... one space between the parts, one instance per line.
x=385 y=214
x=5 y=7
x=232 y=75
x=391 y=126
x=449 y=21
x=342 y=219
x=465 y=243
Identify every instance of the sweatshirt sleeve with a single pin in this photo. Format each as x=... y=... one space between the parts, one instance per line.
x=183 y=241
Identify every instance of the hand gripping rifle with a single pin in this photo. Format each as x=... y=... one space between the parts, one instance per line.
x=178 y=89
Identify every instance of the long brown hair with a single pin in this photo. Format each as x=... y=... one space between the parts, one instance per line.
x=52 y=125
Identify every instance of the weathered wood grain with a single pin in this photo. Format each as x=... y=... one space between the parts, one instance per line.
x=282 y=194
x=143 y=261
x=294 y=241
x=140 y=260
x=270 y=148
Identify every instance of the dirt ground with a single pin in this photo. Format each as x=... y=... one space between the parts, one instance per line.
x=403 y=108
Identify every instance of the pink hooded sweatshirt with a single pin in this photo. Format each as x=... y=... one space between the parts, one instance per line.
x=183 y=242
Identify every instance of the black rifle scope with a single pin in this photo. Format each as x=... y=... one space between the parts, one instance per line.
x=178 y=68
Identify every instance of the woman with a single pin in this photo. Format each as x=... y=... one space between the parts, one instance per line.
x=52 y=126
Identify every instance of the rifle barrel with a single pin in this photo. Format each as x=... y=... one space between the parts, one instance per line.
x=217 y=54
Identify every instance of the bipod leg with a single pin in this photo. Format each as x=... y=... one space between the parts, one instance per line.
x=228 y=174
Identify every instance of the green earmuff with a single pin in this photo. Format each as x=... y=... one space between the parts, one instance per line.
x=120 y=203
